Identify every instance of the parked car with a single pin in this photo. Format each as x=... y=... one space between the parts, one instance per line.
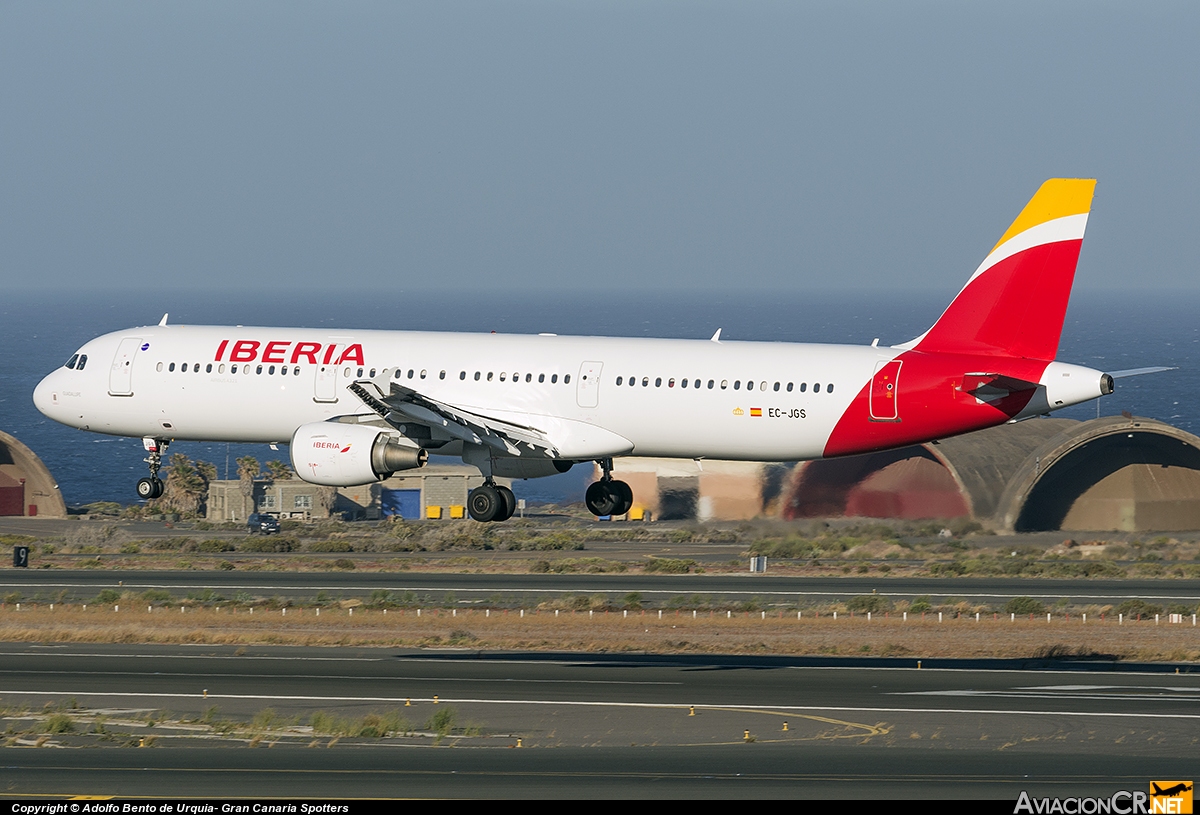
x=266 y=524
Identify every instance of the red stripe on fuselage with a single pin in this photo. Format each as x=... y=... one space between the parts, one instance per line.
x=931 y=404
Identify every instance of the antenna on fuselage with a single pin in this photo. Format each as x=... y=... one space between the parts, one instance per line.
x=716 y=337
x=163 y=321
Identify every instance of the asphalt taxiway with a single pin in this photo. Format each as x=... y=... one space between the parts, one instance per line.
x=607 y=725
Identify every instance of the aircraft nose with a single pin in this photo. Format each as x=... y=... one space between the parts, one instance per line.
x=46 y=396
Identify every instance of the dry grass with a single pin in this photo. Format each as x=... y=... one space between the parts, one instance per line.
x=779 y=633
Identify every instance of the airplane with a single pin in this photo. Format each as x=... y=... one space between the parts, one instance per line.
x=357 y=406
x=1170 y=792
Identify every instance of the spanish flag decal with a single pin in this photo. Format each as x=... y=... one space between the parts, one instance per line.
x=756 y=411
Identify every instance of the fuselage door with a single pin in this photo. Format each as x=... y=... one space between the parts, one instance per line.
x=327 y=376
x=885 y=390
x=587 y=392
x=120 y=378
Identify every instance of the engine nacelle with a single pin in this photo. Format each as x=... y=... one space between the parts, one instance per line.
x=348 y=455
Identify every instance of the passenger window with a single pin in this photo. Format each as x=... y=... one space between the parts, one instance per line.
x=658 y=381
x=553 y=379
x=259 y=369
x=233 y=369
x=477 y=376
x=737 y=384
x=221 y=368
x=829 y=388
x=645 y=381
x=463 y=375
x=762 y=386
x=82 y=362
x=171 y=367
x=283 y=370
x=710 y=384
x=817 y=388
x=776 y=387
x=442 y=375
x=71 y=362
x=789 y=388
x=271 y=370
x=398 y=373
x=372 y=373
x=346 y=373
x=423 y=372
x=619 y=380
x=671 y=382
x=750 y=385
x=528 y=377
x=196 y=368
x=489 y=376
x=696 y=384
x=724 y=384
x=360 y=373
x=541 y=377
x=158 y=367
x=803 y=387
x=502 y=375
x=208 y=368
x=683 y=383
x=566 y=379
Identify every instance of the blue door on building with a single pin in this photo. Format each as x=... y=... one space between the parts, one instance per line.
x=405 y=503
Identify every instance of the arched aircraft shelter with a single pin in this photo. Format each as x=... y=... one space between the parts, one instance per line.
x=26 y=486
x=1117 y=473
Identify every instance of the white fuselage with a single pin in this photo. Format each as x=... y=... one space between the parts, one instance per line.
x=198 y=383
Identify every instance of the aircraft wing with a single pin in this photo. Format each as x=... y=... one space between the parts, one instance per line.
x=401 y=404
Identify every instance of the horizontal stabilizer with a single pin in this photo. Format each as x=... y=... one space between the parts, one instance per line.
x=1157 y=369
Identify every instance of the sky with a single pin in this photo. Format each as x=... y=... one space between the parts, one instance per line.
x=599 y=149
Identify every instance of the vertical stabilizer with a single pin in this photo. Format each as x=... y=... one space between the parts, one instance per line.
x=1015 y=302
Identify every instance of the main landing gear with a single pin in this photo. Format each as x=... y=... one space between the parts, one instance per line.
x=491 y=502
x=608 y=496
x=152 y=487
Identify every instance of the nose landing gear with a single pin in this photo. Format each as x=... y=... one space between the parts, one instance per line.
x=152 y=487
x=608 y=496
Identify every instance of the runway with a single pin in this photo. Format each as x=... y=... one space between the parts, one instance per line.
x=83 y=584
x=608 y=725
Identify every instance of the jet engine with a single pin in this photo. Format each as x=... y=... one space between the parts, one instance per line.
x=348 y=455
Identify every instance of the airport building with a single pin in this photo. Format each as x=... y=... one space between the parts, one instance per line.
x=436 y=491
x=26 y=487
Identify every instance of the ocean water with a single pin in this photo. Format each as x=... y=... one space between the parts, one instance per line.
x=1105 y=330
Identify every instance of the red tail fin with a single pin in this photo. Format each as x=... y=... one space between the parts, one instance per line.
x=1015 y=302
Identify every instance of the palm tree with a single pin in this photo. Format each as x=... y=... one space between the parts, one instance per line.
x=248 y=470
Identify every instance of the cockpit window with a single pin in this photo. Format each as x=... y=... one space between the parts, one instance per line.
x=82 y=362
x=71 y=362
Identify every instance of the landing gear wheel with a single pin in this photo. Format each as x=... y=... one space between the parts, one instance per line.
x=484 y=503
x=158 y=487
x=508 y=504
x=623 y=495
x=600 y=499
x=147 y=489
